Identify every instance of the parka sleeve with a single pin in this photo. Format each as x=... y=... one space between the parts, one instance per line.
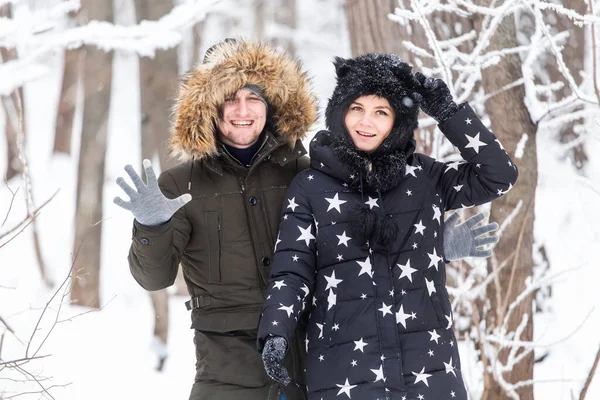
x=487 y=171
x=292 y=278
x=155 y=251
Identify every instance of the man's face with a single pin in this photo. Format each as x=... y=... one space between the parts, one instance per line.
x=243 y=119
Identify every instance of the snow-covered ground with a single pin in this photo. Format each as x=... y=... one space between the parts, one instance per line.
x=94 y=353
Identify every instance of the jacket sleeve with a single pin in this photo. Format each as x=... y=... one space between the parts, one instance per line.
x=292 y=278
x=486 y=171
x=155 y=251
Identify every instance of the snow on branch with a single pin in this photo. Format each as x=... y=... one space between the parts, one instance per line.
x=35 y=37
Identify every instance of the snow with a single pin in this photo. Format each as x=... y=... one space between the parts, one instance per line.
x=110 y=353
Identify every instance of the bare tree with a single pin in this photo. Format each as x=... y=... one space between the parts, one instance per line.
x=9 y=104
x=68 y=95
x=285 y=19
x=158 y=84
x=97 y=77
x=515 y=210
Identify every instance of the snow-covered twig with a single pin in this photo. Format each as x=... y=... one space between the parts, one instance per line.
x=143 y=39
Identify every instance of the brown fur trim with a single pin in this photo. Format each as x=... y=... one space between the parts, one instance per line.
x=228 y=68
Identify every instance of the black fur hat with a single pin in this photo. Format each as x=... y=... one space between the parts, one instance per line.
x=383 y=75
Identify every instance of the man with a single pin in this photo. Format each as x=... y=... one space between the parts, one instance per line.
x=239 y=120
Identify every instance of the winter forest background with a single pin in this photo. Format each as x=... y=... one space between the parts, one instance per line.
x=87 y=87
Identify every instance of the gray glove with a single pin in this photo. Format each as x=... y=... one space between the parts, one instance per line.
x=148 y=205
x=272 y=356
x=462 y=240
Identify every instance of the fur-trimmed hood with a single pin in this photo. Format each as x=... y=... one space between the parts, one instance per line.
x=230 y=66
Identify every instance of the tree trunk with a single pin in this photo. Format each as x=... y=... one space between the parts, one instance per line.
x=67 y=102
x=97 y=77
x=259 y=19
x=9 y=105
x=516 y=244
x=158 y=86
x=285 y=16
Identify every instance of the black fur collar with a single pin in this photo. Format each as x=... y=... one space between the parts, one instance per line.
x=378 y=171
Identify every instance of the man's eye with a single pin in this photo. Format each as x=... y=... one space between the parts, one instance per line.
x=230 y=100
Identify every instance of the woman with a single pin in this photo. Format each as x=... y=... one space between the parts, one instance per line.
x=360 y=241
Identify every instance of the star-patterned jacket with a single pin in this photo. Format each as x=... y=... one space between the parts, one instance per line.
x=380 y=322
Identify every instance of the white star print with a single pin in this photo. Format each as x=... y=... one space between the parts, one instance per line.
x=340 y=257
x=378 y=374
x=306 y=235
x=385 y=309
x=414 y=246
x=468 y=121
x=436 y=213
x=288 y=309
x=449 y=367
x=409 y=192
x=332 y=282
x=420 y=228
x=421 y=377
x=430 y=286
x=311 y=177
x=360 y=345
x=305 y=289
x=335 y=327
x=499 y=144
x=453 y=394
x=420 y=397
x=365 y=267
x=320 y=326
x=343 y=239
x=401 y=317
x=449 y=319
x=322 y=165
x=321 y=358
x=285 y=217
x=410 y=170
x=434 y=259
x=345 y=388
x=292 y=204
x=363 y=296
x=354 y=363
x=458 y=187
x=335 y=202
x=372 y=203
x=430 y=352
x=279 y=285
x=275 y=323
x=474 y=142
x=407 y=270
x=434 y=336
x=331 y=299
x=453 y=165
x=295 y=257
x=277 y=242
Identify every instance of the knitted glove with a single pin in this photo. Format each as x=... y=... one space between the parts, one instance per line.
x=462 y=240
x=434 y=98
x=272 y=356
x=148 y=205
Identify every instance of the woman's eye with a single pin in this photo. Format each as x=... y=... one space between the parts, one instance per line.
x=381 y=112
x=355 y=108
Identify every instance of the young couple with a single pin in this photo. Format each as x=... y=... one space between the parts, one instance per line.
x=335 y=265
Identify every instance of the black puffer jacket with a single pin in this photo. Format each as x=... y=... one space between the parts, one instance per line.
x=380 y=324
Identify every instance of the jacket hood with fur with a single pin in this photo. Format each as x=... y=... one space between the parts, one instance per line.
x=230 y=66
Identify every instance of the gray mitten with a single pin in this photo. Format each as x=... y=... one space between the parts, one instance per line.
x=462 y=240
x=272 y=356
x=148 y=205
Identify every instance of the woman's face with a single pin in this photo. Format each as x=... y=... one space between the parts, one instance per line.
x=369 y=121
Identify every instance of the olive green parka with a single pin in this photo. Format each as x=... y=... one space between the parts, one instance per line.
x=224 y=237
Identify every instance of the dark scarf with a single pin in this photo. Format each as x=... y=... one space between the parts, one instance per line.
x=371 y=173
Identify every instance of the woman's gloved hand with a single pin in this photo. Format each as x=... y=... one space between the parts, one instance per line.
x=272 y=356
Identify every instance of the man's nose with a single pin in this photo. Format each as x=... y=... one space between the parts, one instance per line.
x=242 y=107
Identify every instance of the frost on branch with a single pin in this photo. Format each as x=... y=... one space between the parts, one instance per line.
x=37 y=34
